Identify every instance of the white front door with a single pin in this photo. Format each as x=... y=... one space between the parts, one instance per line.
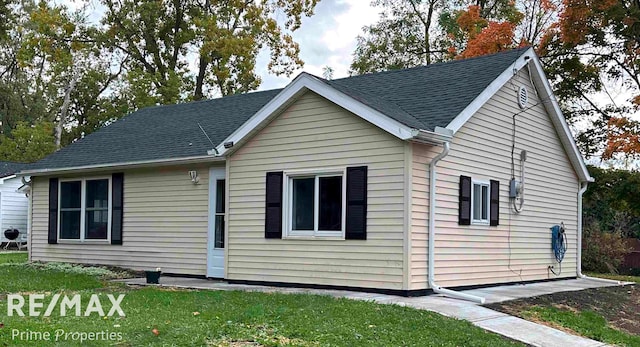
x=216 y=243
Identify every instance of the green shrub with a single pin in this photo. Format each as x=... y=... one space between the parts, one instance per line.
x=602 y=251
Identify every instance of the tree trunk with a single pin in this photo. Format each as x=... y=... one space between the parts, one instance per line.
x=202 y=70
x=202 y=65
x=427 y=36
x=64 y=109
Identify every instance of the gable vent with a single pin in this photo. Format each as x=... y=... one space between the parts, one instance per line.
x=523 y=97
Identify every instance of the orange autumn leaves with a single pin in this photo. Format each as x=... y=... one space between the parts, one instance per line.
x=623 y=136
x=485 y=36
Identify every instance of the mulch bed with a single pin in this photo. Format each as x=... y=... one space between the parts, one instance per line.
x=620 y=306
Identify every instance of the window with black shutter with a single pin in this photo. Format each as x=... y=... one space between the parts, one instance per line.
x=494 y=218
x=53 y=211
x=356 y=203
x=323 y=204
x=86 y=209
x=273 y=208
x=464 y=201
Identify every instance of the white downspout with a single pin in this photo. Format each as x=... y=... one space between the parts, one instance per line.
x=583 y=188
x=432 y=233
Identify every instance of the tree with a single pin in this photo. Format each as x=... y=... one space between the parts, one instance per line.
x=61 y=53
x=28 y=143
x=623 y=136
x=481 y=28
x=159 y=38
x=592 y=47
x=404 y=36
x=5 y=16
x=419 y=32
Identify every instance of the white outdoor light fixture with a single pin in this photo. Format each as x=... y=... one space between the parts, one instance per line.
x=195 y=179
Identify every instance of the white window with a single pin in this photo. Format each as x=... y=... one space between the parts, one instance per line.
x=480 y=202
x=84 y=209
x=314 y=205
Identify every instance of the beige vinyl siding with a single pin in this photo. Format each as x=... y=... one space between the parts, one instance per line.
x=474 y=255
x=314 y=133
x=165 y=224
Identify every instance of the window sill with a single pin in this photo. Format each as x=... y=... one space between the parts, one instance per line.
x=89 y=242
x=313 y=238
x=479 y=223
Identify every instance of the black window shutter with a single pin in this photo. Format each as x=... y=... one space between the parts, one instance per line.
x=464 y=202
x=117 y=212
x=53 y=211
x=273 y=209
x=494 y=210
x=356 y=203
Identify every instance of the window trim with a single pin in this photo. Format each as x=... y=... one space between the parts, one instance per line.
x=83 y=209
x=288 y=232
x=486 y=183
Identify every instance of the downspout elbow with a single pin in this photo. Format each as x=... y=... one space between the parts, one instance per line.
x=432 y=232
x=583 y=188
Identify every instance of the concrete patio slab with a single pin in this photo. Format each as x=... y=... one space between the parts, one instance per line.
x=500 y=323
x=518 y=291
x=534 y=334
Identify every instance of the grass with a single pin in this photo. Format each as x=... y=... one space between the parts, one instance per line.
x=218 y=318
x=18 y=276
x=13 y=257
x=623 y=278
x=586 y=323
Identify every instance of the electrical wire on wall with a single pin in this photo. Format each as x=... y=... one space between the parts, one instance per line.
x=516 y=188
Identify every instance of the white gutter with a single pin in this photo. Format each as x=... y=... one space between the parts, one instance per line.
x=432 y=233
x=583 y=188
x=124 y=165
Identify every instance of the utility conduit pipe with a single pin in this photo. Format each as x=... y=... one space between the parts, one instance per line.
x=432 y=233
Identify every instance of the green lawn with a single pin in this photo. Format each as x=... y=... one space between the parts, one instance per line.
x=13 y=257
x=586 y=323
x=216 y=318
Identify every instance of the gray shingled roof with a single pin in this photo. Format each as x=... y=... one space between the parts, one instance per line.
x=8 y=168
x=423 y=97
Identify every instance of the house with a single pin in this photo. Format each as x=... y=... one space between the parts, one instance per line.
x=13 y=203
x=397 y=181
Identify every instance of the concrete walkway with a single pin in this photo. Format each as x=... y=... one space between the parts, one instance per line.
x=497 y=322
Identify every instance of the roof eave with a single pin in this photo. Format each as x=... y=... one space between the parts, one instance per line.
x=122 y=166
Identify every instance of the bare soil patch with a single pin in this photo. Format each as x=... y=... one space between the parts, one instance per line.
x=620 y=306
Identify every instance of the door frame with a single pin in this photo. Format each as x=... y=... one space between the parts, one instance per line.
x=215 y=173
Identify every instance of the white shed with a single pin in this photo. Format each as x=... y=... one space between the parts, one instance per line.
x=14 y=205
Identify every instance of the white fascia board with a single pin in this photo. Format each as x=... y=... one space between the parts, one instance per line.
x=6 y=178
x=298 y=86
x=121 y=166
x=490 y=91
x=553 y=108
x=541 y=83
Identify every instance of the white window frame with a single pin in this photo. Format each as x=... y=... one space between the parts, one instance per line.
x=486 y=183
x=83 y=208
x=288 y=204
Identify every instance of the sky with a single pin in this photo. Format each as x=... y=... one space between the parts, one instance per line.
x=328 y=38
